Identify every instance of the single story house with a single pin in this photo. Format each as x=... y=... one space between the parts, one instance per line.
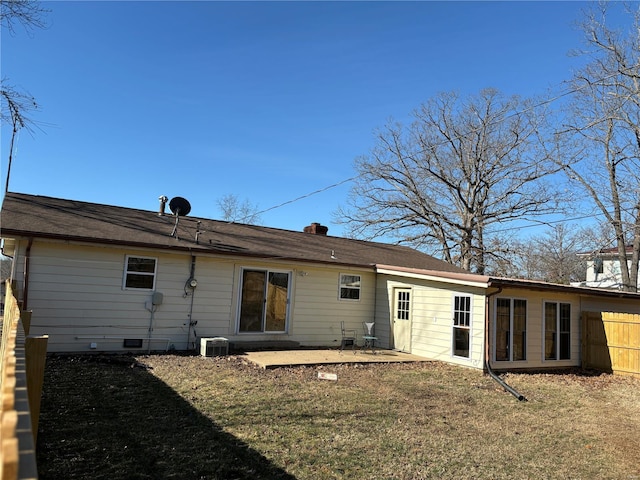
x=107 y=278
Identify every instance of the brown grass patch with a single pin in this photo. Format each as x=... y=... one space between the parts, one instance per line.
x=188 y=417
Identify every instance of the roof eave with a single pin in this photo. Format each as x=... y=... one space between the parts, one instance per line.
x=17 y=234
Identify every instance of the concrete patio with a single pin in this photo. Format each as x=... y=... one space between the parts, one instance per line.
x=289 y=358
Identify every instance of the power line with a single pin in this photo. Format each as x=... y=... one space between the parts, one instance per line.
x=545 y=102
x=303 y=196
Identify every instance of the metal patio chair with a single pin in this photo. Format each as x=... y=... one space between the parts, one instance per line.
x=369 y=338
x=348 y=338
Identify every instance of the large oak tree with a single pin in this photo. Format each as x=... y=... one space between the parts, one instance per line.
x=463 y=167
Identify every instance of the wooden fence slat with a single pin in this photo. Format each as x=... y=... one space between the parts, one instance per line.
x=611 y=342
x=36 y=352
x=17 y=452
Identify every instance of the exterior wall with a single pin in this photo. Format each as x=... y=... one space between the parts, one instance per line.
x=318 y=311
x=77 y=298
x=600 y=304
x=535 y=324
x=432 y=318
x=535 y=329
x=611 y=276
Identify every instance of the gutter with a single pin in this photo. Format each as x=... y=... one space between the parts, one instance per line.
x=200 y=248
x=487 y=355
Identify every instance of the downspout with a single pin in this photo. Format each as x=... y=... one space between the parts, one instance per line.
x=189 y=289
x=25 y=280
x=487 y=354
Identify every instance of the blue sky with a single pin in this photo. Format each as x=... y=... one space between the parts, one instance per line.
x=269 y=101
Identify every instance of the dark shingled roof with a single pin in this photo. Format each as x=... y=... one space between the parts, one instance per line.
x=46 y=217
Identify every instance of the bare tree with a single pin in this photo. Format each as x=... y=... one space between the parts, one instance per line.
x=556 y=254
x=28 y=13
x=16 y=104
x=16 y=109
x=600 y=141
x=460 y=169
x=552 y=256
x=235 y=210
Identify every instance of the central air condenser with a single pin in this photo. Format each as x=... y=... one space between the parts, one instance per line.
x=214 y=347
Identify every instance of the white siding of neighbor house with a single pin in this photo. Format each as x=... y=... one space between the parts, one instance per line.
x=77 y=298
x=432 y=318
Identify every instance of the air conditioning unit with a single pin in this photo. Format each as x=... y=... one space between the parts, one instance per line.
x=214 y=347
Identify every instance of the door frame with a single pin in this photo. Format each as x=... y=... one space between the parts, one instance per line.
x=406 y=331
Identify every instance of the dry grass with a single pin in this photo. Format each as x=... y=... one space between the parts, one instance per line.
x=194 y=418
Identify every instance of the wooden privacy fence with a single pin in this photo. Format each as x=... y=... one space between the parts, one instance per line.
x=22 y=360
x=611 y=342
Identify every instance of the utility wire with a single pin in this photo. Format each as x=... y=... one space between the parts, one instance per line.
x=545 y=102
x=302 y=197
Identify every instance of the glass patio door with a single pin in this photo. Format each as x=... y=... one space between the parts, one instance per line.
x=264 y=301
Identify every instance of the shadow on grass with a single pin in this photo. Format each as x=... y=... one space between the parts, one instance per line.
x=109 y=418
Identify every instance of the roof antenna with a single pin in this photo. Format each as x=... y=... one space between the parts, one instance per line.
x=180 y=207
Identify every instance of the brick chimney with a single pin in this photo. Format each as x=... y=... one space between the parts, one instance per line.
x=316 y=229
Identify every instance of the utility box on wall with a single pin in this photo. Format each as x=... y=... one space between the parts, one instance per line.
x=214 y=347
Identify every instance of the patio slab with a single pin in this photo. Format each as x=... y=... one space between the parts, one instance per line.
x=289 y=358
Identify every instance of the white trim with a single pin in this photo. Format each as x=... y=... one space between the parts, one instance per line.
x=437 y=278
x=494 y=329
x=453 y=327
x=395 y=290
x=544 y=338
x=126 y=272
x=358 y=288
x=287 y=321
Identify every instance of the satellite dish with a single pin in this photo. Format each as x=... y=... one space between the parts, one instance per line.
x=180 y=206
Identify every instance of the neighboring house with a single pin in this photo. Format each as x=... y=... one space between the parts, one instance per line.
x=106 y=278
x=603 y=269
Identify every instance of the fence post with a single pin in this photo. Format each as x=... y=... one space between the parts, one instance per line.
x=25 y=316
x=36 y=356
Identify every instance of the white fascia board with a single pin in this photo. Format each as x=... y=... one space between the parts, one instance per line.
x=480 y=283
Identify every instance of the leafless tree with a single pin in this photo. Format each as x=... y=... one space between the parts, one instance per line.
x=463 y=167
x=235 y=210
x=16 y=109
x=16 y=104
x=599 y=144
x=556 y=254
x=552 y=256
x=28 y=13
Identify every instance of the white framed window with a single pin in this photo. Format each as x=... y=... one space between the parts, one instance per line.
x=557 y=331
x=264 y=301
x=510 y=329
x=350 y=286
x=462 y=326
x=139 y=272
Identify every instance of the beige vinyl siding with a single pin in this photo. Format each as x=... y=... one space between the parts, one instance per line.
x=316 y=311
x=432 y=318
x=213 y=297
x=601 y=304
x=77 y=298
x=535 y=329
